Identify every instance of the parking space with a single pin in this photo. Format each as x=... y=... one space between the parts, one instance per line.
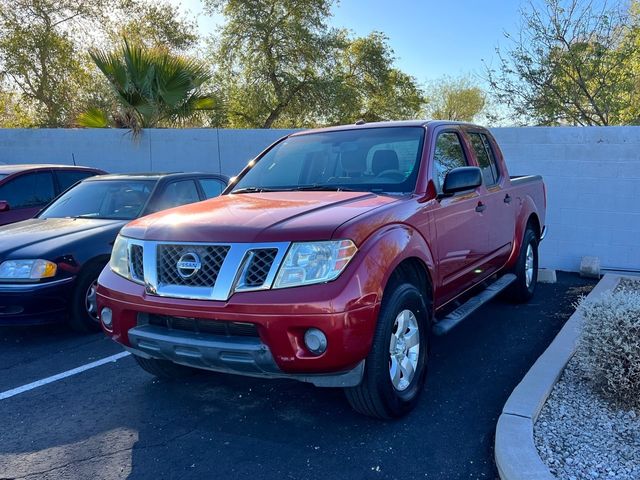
x=115 y=421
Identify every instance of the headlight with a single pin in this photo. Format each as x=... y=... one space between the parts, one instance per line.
x=119 y=262
x=27 y=269
x=314 y=262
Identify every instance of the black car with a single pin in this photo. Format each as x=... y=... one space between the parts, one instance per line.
x=49 y=265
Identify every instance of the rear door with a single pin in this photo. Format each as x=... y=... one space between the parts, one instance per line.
x=26 y=193
x=500 y=211
x=461 y=229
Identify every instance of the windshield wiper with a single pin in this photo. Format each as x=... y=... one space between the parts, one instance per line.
x=254 y=190
x=323 y=188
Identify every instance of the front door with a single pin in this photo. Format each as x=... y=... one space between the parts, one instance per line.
x=461 y=230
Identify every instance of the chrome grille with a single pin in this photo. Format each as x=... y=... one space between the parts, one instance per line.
x=259 y=266
x=211 y=257
x=135 y=262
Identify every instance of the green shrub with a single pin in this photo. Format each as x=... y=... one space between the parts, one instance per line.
x=609 y=349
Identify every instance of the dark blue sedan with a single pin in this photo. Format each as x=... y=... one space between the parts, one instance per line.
x=49 y=265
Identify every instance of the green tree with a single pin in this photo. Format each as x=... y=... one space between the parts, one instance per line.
x=454 y=99
x=366 y=85
x=569 y=64
x=152 y=88
x=271 y=56
x=280 y=65
x=155 y=24
x=39 y=56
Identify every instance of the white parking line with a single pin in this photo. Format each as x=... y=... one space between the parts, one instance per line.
x=60 y=376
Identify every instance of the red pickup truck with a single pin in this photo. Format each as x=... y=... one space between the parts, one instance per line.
x=330 y=259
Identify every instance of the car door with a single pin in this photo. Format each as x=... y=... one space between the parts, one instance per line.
x=500 y=211
x=26 y=195
x=461 y=229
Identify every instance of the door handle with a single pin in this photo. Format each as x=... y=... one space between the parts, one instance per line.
x=507 y=198
x=481 y=207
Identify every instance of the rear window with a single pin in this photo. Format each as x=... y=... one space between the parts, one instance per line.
x=66 y=178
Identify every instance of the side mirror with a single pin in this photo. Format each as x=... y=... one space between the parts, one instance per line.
x=462 y=179
x=4 y=206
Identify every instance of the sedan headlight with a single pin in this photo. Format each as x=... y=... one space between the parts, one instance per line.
x=314 y=262
x=119 y=262
x=35 y=269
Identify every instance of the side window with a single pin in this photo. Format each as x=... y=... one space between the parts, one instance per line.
x=211 y=187
x=484 y=154
x=178 y=193
x=448 y=154
x=66 y=178
x=492 y=157
x=28 y=191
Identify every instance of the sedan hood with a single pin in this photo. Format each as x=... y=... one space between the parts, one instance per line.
x=259 y=217
x=38 y=236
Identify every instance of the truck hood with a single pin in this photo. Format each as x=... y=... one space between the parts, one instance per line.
x=37 y=237
x=259 y=217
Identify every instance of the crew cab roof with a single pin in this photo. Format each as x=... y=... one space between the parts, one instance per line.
x=395 y=123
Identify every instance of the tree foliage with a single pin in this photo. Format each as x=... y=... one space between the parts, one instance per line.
x=569 y=64
x=39 y=56
x=155 y=24
x=455 y=99
x=152 y=86
x=279 y=64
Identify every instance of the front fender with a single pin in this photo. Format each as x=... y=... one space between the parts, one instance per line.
x=383 y=252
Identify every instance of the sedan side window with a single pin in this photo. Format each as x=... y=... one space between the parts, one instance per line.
x=29 y=190
x=211 y=187
x=178 y=193
x=448 y=154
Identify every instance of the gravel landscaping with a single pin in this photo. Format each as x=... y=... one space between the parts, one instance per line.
x=581 y=435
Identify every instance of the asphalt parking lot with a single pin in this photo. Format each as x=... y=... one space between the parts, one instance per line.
x=115 y=421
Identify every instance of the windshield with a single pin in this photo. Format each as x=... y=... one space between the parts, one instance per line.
x=2 y=175
x=373 y=160
x=107 y=199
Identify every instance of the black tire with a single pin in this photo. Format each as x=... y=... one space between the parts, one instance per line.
x=80 y=319
x=376 y=396
x=521 y=289
x=164 y=368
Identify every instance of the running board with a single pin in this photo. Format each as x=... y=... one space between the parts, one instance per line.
x=463 y=311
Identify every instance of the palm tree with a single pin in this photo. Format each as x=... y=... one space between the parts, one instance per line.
x=153 y=88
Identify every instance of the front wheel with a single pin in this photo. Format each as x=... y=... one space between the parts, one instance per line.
x=397 y=363
x=84 y=306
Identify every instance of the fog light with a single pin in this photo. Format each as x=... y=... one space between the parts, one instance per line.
x=315 y=340
x=106 y=317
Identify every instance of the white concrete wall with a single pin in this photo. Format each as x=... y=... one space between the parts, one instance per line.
x=592 y=174
x=593 y=189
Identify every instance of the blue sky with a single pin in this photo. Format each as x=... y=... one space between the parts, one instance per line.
x=431 y=38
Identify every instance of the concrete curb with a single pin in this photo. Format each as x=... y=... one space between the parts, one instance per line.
x=515 y=452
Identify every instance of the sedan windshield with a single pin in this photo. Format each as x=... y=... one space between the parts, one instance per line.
x=106 y=199
x=373 y=160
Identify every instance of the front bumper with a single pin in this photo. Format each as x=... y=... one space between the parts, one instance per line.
x=35 y=303
x=243 y=356
x=280 y=317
